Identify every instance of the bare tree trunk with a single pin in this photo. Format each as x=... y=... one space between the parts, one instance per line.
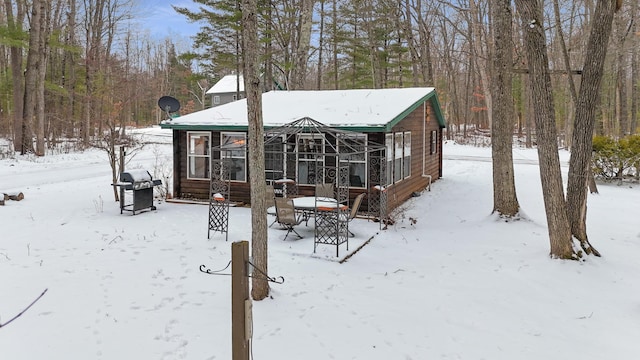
x=32 y=74
x=303 y=45
x=550 y=174
x=426 y=61
x=565 y=52
x=14 y=23
x=567 y=65
x=467 y=104
x=451 y=87
x=250 y=49
x=334 y=43
x=528 y=112
x=622 y=30
x=42 y=52
x=505 y=201
x=574 y=94
x=481 y=53
x=584 y=122
x=88 y=78
x=238 y=37
x=320 y=47
x=93 y=27
x=374 y=56
x=635 y=68
x=399 y=24
x=68 y=67
x=269 y=79
x=407 y=29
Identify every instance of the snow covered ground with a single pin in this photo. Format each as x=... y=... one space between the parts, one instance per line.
x=457 y=284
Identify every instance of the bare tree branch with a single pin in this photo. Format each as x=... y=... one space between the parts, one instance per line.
x=25 y=309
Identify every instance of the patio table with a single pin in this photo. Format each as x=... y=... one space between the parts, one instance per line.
x=307 y=205
x=311 y=202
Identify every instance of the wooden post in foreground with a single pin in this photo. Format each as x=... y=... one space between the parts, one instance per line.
x=239 y=296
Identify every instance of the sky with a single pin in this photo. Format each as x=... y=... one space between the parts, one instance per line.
x=161 y=20
x=447 y=281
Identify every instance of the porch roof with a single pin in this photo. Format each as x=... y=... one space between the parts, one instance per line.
x=363 y=110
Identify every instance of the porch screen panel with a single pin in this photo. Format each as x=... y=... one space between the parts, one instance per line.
x=310 y=149
x=357 y=161
x=198 y=155
x=274 y=160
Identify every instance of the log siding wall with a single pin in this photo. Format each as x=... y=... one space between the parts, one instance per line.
x=421 y=122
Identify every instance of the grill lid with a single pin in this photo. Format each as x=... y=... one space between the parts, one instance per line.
x=135 y=176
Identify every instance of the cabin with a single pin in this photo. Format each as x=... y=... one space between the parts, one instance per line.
x=387 y=140
x=226 y=90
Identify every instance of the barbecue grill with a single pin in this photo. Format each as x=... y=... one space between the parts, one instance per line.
x=139 y=184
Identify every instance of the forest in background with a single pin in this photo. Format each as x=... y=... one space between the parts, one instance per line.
x=77 y=69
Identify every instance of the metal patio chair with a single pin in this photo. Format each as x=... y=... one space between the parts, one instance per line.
x=286 y=216
x=270 y=204
x=354 y=210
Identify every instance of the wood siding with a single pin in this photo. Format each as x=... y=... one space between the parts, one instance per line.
x=421 y=122
x=188 y=188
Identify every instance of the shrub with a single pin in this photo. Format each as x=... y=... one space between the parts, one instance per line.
x=615 y=159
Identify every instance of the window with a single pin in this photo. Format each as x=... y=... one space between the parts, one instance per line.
x=388 y=141
x=397 y=158
x=406 y=168
x=198 y=155
x=434 y=142
x=216 y=99
x=310 y=149
x=233 y=149
x=357 y=162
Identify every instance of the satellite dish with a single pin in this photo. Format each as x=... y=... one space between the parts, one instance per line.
x=169 y=105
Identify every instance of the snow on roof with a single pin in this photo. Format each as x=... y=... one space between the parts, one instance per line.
x=360 y=107
x=227 y=85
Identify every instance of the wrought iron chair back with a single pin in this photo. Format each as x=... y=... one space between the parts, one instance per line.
x=325 y=190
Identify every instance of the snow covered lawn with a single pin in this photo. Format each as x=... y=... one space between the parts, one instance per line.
x=457 y=284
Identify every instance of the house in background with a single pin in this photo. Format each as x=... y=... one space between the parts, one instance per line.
x=407 y=123
x=226 y=90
